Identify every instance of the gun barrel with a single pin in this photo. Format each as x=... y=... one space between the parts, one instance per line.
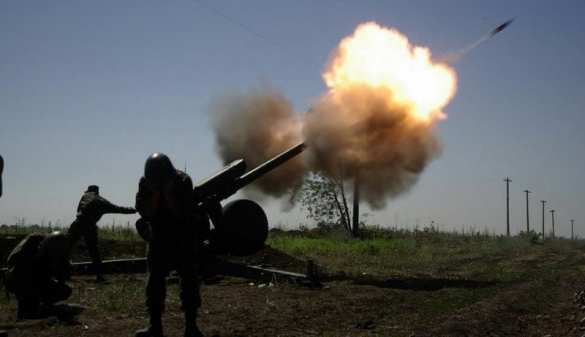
x=268 y=166
x=219 y=183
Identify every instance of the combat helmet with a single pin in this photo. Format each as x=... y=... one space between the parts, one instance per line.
x=55 y=245
x=158 y=169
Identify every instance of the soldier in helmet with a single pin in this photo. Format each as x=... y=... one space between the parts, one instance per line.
x=38 y=267
x=91 y=208
x=171 y=224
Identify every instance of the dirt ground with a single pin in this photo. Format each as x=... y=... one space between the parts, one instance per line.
x=541 y=304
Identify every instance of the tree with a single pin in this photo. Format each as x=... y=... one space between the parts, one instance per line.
x=326 y=202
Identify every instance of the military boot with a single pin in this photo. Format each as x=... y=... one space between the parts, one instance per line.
x=154 y=330
x=28 y=309
x=149 y=332
x=193 y=331
x=191 y=328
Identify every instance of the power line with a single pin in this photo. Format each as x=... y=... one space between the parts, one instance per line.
x=301 y=60
x=231 y=20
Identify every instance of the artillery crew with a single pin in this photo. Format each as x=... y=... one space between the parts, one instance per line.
x=91 y=208
x=175 y=222
x=171 y=224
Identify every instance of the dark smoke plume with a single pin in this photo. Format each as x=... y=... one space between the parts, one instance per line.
x=358 y=130
x=256 y=127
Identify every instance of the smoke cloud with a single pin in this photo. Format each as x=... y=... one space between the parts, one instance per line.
x=375 y=123
x=361 y=132
x=257 y=127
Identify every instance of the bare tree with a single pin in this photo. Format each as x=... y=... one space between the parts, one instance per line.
x=326 y=202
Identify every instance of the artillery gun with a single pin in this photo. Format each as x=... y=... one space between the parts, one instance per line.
x=240 y=227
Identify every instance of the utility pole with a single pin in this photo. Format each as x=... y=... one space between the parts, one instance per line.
x=356 y=206
x=552 y=212
x=1 y=169
x=507 y=180
x=572 y=230
x=527 y=213
x=543 y=202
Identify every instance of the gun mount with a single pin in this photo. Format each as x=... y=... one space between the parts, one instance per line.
x=221 y=266
x=241 y=226
x=240 y=229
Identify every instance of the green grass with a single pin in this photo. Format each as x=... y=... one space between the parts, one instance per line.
x=109 y=232
x=402 y=253
x=381 y=254
x=115 y=241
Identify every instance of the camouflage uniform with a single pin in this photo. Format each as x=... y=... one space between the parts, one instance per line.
x=35 y=277
x=174 y=243
x=91 y=208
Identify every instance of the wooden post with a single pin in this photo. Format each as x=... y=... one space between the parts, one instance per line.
x=552 y=212
x=507 y=180
x=527 y=212
x=356 y=206
x=543 y=202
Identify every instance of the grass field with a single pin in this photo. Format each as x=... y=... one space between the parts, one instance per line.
x=391 y=283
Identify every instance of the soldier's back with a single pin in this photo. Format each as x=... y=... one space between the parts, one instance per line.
x=23 y=269
x=91 y=207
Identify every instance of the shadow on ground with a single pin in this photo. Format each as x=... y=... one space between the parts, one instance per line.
x=422 y=283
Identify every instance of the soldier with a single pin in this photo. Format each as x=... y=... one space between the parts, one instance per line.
x=38 y=267
x=89 y=211
x=172 y=225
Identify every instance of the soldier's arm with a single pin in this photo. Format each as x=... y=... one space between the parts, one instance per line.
x=147 y=200
x=108 y=207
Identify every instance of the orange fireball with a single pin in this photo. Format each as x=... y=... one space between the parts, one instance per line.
x=382 y=57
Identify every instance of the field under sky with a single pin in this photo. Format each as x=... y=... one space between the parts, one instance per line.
x=89 y=89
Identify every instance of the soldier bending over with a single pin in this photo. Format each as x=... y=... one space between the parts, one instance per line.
x=38 y=267
x=172 y=225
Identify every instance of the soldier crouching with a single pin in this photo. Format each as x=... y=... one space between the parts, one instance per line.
x=172 y=225
x=38 y=267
